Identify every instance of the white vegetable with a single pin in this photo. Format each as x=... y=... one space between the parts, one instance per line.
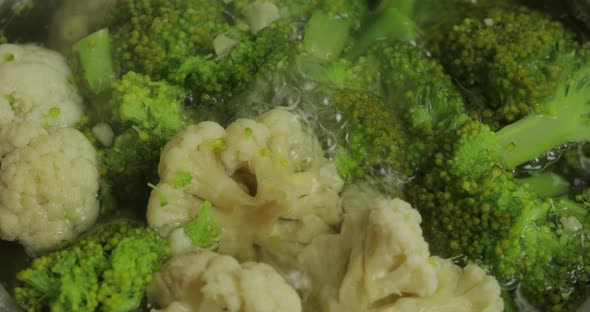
x=380 y=262
x=35 y=89
x=459 y=290
x=267 y=180
x=48 y=190
x=205 y=281
x=104 y=134
x=75 y=20
x=260 y=14
x=223 y=45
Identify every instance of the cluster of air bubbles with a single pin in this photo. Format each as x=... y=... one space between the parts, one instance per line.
x=313 y=105
x=543 y=161
x=298 y=29
x=512 y=283
x=388 y=180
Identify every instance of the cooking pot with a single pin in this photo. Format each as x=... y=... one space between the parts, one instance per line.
x=13 y=258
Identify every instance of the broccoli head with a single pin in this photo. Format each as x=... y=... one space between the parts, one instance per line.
x=509 y=59
x=214 y=49
x=107 y=270
x=213 y=81
x=143 y=114
x=417 y=85
x=370 y=138
x=476 y=211
x=145 y=33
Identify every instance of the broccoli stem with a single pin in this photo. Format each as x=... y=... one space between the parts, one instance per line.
x=391 y=24
x=547 y=184
x=326 y=36
x=95 y=60
x=530 y=137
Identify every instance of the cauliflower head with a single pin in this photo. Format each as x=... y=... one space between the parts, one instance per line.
x=380 y=262
x=36 y=93
x=266 y=178
x=202 y=280
x=48 y=190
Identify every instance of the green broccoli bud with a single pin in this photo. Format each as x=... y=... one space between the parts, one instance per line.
x=107 y=270
x=202 y=230
x=183 y=179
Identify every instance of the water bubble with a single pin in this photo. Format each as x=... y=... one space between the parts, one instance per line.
x=512 y=283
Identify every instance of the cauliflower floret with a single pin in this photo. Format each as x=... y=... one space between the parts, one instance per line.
x=75 y=20
x=48 y=190
x=35 y=88
x=459 y=290
x=380 y=262
x=202 y=280
x=266 y=178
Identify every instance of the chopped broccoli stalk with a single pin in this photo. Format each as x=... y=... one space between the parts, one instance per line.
x=106 y=271
x=202 y=230
x=326 y=36
x=95 y=60
x=547 y=184
x=391 y=24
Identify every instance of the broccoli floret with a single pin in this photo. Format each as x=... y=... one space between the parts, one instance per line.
x=372 y=137
x=509 y=59
x=211 y=48
x=556 y=273
x=476 y=211
x=146 y=33
x=214 y=81
x=154 y=107
x=143 y=114
x=417 y=85
x=106 y=271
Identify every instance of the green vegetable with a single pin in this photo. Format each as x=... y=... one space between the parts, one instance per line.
x=475 y=210
x=106 y=271
x=547 y=184
x=511 y=59
x=325 y=36
x=183 y=179
x=202 y=230
x=371 y=134
x=95 y=61
x=183 y=52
